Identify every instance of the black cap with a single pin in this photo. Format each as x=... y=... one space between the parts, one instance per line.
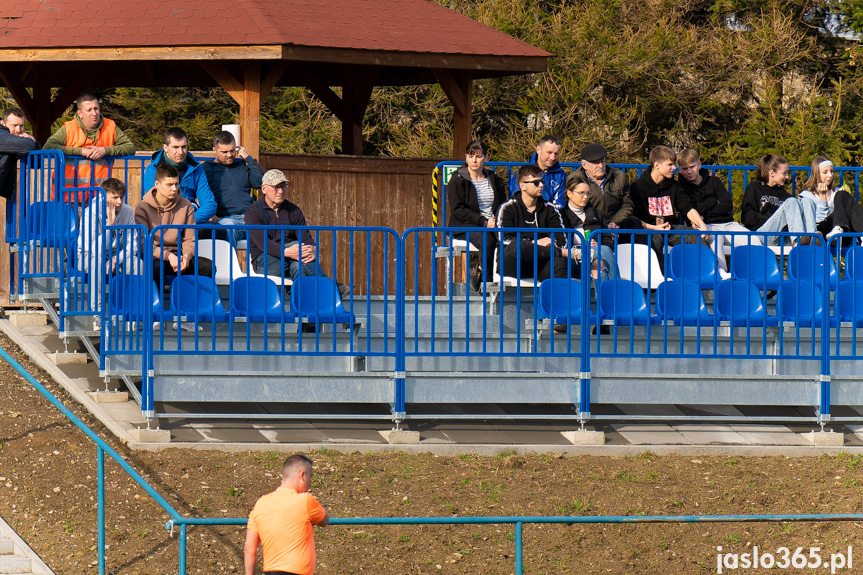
x=593 y=152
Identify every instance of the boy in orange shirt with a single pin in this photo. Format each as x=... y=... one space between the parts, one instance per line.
x=282 y=522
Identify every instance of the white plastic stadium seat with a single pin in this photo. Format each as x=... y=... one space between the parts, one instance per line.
x=633 y=263
x=226 y=263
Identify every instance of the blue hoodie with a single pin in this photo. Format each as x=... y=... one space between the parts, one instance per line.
x=193 y=185
x=554 y=188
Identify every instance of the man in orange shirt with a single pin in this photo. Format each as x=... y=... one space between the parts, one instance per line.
x=282 y=522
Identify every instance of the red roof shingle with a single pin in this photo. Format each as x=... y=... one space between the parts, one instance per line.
x=416 y=26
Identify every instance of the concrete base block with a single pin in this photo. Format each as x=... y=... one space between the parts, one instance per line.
x=584 y=437
x=825 y=438
x=109 y=396
x=61 y=358
x=151 y=435
x=28 y=318
x=401 y=437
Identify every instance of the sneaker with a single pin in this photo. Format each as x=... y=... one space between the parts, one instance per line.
x=560 y=328
x=187 y=326
x=308 y=328
x=97 y=324
x=603 y=330
x=476 y=278
x=344 y=293
x=157 y=326
x=724 y=275
x=836 y=230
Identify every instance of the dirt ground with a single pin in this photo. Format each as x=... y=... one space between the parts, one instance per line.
x=48 y=487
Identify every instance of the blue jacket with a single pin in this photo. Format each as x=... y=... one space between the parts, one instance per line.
x=193 y=185
x=232 y=185
x=554 y=190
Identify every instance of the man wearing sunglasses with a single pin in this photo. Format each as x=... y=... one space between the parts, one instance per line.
x=533 y=254
x=546 y=158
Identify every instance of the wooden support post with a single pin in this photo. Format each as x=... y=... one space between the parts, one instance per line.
x=458 y=85
x=42 y=105
x=250 y=108
x=356 y=92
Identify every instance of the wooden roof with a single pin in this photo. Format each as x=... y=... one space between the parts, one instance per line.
x=409 y=33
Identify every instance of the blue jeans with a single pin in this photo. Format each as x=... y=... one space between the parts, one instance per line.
x=606 y=256
x=235 y=220
x=797 y=214
x=273 y=266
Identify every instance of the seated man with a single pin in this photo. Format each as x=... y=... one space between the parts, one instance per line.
x=272 y=254
x=661 y=204
x=193 y=181
x=528 y=209
x=609 y=188
x=553 y=176
x=712 y=201
x=121 y=247
x=163 y=205
x=15 y=143
x=232 y=180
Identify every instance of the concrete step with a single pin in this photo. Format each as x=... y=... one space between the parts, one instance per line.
x=15 y=564
x=7 y=547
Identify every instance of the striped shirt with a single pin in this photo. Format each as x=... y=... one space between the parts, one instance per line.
x=485 y=197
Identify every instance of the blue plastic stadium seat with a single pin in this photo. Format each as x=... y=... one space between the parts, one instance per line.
x=561 y=299
x=756 y=264
x=259 y=299
x=739 y=302
x=849 y=301
x=854 y=263
x=623 y=302
x=682 y=302
x=807 y=263
x=802 y=302
x=128 y=298
x=694 y=262
x=317 y=298
x=197 y=298
x=52 y=224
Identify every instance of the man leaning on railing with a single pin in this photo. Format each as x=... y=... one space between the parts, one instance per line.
x=92 y=136
x=14 y=143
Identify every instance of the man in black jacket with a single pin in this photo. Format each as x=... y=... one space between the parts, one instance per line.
x=14 y=143
x=709 y=197
x=524 y=250
x=661 y=204
x=609 y=188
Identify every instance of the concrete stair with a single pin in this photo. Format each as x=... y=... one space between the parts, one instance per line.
x=13 y=563
x=16 y=558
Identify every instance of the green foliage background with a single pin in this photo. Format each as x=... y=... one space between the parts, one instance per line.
x=734 y=78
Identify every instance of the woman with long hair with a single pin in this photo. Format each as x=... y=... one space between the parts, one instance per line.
x=836 y=211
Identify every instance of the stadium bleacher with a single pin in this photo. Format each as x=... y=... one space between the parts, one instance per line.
x=688 y=337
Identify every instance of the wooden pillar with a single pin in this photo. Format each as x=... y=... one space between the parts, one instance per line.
x=250 y=108
x=42 y=107
x=357 y=86
x=247 y=94
x=458 y=86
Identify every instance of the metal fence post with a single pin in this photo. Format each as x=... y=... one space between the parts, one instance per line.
x=100 y=480
x=518 y=550
x=399 y=399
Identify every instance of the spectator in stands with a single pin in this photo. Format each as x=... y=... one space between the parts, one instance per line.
x=709 y=197
x=474 y=194
x=193 y=181
x=279 y=252
x=163 y=205
x=661 y=205
x=15 y=143
x=232 y=180
x=92 y=136
x=121 y=247
x=767 y=207
x=580 y=214
x=836 y=211
x=609 y=188
x=283 y=523
x=523 y=250
x=553 y=176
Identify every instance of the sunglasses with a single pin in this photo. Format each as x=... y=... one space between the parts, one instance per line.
x=534 y=182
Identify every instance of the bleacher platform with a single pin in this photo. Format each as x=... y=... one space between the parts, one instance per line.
x=783 y=331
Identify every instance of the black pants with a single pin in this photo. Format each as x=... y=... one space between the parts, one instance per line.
x=847 y=214
x=523 y=253
x=205 y=268
x=476 y=240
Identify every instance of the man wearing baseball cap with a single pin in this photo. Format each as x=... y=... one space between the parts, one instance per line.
x=277 y=253
x=609 y=189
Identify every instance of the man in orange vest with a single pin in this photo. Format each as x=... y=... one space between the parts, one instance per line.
x=93 y=137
